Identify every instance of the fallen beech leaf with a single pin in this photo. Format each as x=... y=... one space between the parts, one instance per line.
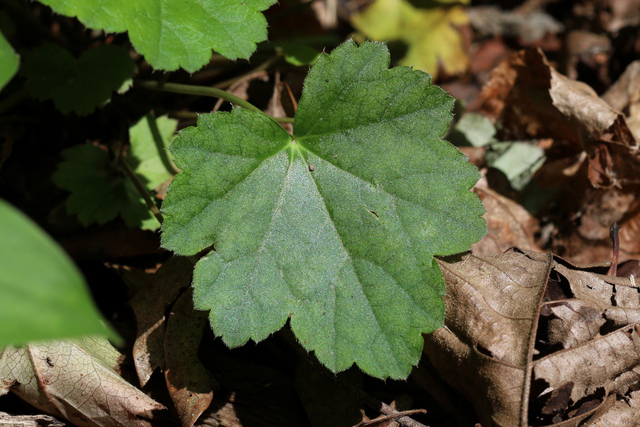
x=508 y=344
x=149 y=305
x=75 y=380
x=190 y=384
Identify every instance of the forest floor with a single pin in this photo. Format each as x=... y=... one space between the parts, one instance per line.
x=547 y=109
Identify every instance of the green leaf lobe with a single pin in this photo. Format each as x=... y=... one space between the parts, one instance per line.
x=335 y=227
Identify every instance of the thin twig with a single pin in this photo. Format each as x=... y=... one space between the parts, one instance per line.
x=404 y=420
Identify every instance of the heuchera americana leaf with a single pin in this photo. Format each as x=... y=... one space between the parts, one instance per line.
x=335 y=227
x=173 y=34
x=100 y=191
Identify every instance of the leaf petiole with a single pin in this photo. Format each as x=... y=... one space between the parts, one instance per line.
x=143 y=192
x=196 y=90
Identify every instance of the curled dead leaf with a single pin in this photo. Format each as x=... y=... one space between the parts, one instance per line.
x=532 y=100
x=190 y=384
x=508 y=224
x=74 y=380
x=521 y=326
x=149 y=305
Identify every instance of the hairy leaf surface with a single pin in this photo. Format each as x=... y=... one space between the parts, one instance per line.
x=335 y=227
x=173 y=34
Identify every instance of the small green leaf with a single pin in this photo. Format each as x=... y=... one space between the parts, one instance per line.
x=9 y=62
x=474 y=129
x=148 y=155
x=100 y=191
x=77 y=85
x=519 y=160
x=172 y=34
x=298 y=54
x=334 y=228
x=43 y=295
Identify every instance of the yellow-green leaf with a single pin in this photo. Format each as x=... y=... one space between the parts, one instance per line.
x=430 y=33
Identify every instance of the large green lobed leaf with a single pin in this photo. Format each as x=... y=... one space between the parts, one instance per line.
x=42 y=294
x=172 y=34
x=334 y=228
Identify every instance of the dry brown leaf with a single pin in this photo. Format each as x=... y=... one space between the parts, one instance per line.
x=149 y=305
x=508 y=224
x=7 y=420
x=276 y=108
x=532 y=100
x=594 y=161
x=575 y=323
x=523 y=330
x=190 y=384
x=622 y=414
x=75 y=380
x=610 y=15
x=586 y=50
x=526 y=26
x=624 y=96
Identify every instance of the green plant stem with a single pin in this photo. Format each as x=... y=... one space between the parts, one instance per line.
x=196 y=90
x=157 y=139
x=143 y=192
